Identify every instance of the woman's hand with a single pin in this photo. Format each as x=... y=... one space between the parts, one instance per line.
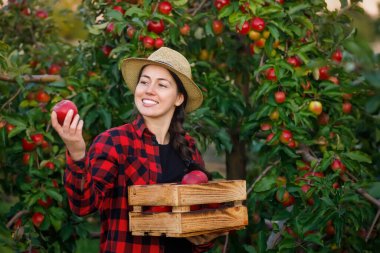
x=202 y=239
x=71 y=134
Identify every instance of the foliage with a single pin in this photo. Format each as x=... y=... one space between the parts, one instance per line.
x=324 y=212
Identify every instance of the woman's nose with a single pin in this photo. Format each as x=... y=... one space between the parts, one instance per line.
x=150 y=89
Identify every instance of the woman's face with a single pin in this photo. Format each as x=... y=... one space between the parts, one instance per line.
x=156 y=94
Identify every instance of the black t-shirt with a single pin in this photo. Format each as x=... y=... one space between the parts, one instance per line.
x=173 y=170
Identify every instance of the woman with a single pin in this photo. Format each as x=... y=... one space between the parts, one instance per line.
x=152 y=149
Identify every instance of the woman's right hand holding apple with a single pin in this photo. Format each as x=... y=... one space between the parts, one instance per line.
x=71 y=134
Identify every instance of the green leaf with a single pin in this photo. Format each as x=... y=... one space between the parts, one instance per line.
x=314 y=238
x=226 y=11
x=297 y=8
x=112 y=14
x=54 y=194
x=358 y=156
x=265 y=184
x=374 y=189
x=134 y=11
x=249 y=248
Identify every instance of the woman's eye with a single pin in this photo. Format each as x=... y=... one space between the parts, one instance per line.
x=143 y=82
x=163 y=85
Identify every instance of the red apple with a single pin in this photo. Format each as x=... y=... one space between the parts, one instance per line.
x=62 y=108
x=260 y=43
x=148 y=42
x=323 y=119
x=347 y=96
x=9 y=127
x=324 y=73
x=37 y=138
x=185 y=30
x=280 y=1
x=131 y=32
x=252 y=48
x=294 y=61
x=158 y=43
x=286 y=136
x=217 y=27
x=347 y=107
x=49 y=165
x=110 y=27
x=41 y=14
x=26 y=158
x=334 y=80
x=279 y=97
x=159 y=209
x=28 y=145
x=219 y=4
x=45 y=203
x=265 y=126
x=244 y=8
x=257 y=24
x=119 y=9
x=244 y=29
x=26 y=11
x=305 y=188
x=213 y=205
x=156 y=26
x=271 y=74
x=165 y=7
x=337 y=165
x=42 y=97
x=37 y=219
x=195 y=177
x=106 y=49
x=337 y=56
x=290 y=201
x=282 y=196
x=315 y=107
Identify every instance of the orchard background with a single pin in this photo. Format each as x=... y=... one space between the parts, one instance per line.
x=292 y=101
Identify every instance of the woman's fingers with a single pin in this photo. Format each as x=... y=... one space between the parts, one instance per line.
x=74 y=125
x=54 y=121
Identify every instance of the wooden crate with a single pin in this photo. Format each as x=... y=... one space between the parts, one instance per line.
x=181 y=222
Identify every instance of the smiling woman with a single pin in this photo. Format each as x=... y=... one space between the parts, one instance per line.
x=154 y=148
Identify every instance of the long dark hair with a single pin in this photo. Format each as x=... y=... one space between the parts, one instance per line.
x=177 y=132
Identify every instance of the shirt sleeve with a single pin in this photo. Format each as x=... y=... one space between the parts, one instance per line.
x=88 y=181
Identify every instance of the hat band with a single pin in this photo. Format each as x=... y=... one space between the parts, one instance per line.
x=164 y=63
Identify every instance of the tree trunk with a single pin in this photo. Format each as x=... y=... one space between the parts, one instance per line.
x=236 y=160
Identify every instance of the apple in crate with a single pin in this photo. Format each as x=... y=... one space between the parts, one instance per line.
x=195 y=177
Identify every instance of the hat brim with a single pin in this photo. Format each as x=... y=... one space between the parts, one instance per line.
x=131 y=67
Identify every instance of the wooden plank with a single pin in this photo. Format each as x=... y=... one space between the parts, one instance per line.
x=180 y=209
x=190 y=223
x=217 y=191
x=155 y=222
x=188 y=234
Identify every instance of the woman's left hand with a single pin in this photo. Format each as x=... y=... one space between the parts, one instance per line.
x=203 y=239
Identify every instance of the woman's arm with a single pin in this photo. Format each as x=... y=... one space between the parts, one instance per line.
x=88 y=181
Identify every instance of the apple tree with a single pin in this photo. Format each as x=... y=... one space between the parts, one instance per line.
x=286 y=84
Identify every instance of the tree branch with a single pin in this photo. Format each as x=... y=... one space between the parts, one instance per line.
x=225 y=247
x=373 y=225
x=267 y=169
x=11 y=99
x=16 y=217
x=32 y=78
x=198 y=7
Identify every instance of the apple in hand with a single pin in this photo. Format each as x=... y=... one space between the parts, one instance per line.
x=62 y=108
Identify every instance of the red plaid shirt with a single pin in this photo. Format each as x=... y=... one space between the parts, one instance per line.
x=119 y=157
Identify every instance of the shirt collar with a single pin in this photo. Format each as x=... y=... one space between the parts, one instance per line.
x=139 y=125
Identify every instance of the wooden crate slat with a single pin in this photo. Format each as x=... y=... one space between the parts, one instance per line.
x=190 y=223
x=217 y=191
x=188 y=234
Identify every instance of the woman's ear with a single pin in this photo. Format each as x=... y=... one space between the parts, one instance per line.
x=180 y=99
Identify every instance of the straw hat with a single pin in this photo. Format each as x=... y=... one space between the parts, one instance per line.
x=171 y=60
